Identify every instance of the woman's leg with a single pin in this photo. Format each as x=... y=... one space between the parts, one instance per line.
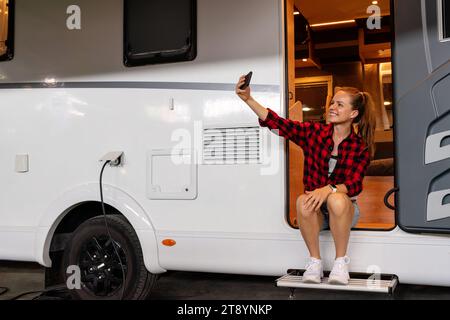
x=341 y=212
x=310 y=223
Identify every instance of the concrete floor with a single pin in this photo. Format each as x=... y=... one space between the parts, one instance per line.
x=23 y=277
x=20 y=277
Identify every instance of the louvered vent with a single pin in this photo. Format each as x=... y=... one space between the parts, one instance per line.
x=240 y=145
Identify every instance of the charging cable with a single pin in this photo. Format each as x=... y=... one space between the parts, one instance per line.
x=107 y=227
x=3 y=290
x=54 y=289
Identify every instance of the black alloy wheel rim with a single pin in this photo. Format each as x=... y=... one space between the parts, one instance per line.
x=101 y=269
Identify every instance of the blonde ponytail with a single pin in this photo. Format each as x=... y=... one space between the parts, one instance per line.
x=367 y=123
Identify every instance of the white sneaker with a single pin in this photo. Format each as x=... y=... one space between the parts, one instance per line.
x=314 y=271
x=339 y=274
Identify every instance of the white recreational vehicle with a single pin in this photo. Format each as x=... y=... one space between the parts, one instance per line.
x=197 y=184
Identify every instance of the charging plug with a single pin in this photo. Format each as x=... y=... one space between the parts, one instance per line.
x=114 y=158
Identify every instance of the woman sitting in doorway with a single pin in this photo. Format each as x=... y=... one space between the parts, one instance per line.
x=336 y=159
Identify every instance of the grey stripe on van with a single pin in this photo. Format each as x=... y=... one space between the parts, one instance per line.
x=138 y=85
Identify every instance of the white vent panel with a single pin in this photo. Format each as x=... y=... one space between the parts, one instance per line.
x=240 y=145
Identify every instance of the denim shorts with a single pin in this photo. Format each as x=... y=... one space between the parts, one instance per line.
x=326 y=215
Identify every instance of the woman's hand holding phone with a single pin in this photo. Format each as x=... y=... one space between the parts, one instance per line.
x=243 y=93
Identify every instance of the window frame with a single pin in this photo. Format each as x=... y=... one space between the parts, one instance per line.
x=159 y=58
x=9 y=54
x=442 y=21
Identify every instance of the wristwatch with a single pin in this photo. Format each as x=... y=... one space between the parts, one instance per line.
x=333 y=188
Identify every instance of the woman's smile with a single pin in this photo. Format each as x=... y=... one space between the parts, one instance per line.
x=333 y=114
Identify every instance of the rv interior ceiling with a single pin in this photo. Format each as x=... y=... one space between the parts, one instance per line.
x=336 y=10
x=340 y=33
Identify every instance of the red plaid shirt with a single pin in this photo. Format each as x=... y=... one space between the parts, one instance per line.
x=316 y=140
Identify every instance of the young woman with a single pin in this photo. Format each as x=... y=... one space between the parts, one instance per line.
x=336 y=159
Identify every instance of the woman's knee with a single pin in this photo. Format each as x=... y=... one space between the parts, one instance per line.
x=303 y=212
x=338 y=204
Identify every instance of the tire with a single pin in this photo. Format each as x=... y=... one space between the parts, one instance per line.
x=101 y=270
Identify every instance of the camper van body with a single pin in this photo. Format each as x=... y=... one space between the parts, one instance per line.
x=67 y=99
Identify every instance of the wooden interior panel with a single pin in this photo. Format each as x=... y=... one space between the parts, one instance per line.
x=296 y=187
x=374 y=214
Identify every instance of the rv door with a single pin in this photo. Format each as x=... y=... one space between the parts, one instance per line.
x=422 y=114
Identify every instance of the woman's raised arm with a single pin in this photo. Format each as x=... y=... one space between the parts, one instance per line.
x=293 y=130
x=260 y=111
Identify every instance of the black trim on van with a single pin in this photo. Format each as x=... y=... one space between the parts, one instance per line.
x=446 y=18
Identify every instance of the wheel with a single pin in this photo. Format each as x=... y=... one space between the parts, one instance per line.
x=102 y=275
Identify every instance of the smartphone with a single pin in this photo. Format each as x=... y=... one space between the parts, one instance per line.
x=248 y=78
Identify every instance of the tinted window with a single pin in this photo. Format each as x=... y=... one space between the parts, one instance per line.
x=159 y=31
x=6 y=29
x=446 y=18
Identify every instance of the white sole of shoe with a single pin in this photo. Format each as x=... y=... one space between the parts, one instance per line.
x=337 y=281
x=311 y=280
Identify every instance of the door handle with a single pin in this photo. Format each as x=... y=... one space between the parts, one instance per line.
x=436 y=208
x=386 y=198
x=434 y=151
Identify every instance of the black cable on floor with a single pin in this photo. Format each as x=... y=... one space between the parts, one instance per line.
x=48 y=290
x=23 y=294
x=3 y=290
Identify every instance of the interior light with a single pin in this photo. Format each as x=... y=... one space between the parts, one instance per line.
x=333 y=23
x=387 y=103
x=296 y=13
x=306 y=109
x=305 y=60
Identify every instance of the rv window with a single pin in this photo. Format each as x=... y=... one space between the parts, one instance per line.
x=6 y=31
x=159 y=31
x=446 y=18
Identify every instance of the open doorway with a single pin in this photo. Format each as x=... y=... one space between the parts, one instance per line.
x=341 y=47
x=6 y=24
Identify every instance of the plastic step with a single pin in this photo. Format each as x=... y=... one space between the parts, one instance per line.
x=379 y=283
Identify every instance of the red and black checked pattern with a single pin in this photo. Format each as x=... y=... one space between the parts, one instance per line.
x=316 y=140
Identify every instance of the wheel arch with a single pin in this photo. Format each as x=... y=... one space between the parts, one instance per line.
x=116 y=201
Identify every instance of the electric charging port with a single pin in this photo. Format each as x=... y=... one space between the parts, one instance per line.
x=115 y=158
